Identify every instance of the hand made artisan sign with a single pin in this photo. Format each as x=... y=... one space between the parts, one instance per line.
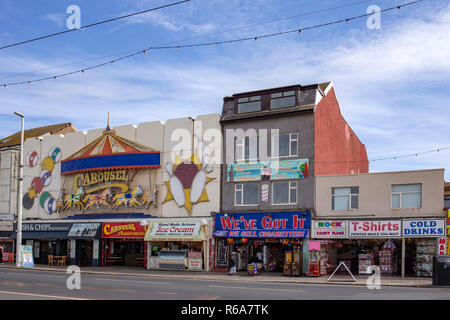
x=175 y=229
x=265 y=225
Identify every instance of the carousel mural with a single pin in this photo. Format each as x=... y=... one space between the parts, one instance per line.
x=101 y=175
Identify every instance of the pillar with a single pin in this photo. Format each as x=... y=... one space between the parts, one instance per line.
x=403 y=257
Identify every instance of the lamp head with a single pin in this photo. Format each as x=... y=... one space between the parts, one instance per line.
x=19 y=114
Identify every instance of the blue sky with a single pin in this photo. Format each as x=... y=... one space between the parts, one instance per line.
x=392 y=83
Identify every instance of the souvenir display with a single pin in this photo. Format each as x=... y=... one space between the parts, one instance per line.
x=365 y=261
x=426 y=249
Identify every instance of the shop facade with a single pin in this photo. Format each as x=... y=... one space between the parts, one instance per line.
x=398 y=246
x=182 y=243
x=47 y=239
x=6 y=229
x=123 y=243
x=270 y=241
x=85 y=244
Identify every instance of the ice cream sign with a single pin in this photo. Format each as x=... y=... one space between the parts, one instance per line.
x=424 y=228
x=329 y=229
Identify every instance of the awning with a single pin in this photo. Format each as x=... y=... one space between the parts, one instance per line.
x=41 y=235
x=84 y=231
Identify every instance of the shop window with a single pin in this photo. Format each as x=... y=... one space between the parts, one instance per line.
x=246 y=194
x=407 y=196
x=249 y=104
x=246 y=149
x=282 y=100
x=447 y=201
x=285 y=145
x=284 y=193
x=344 y=198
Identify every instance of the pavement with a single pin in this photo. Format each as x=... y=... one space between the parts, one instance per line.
x=341 y=279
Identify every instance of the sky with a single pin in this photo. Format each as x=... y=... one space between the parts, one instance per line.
x=392 y=83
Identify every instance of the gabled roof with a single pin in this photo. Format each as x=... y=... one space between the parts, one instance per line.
x=14 y=139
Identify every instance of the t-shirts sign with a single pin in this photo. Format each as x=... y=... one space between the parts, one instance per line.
x=329 y=229
x=375 y=229
x=424 y=228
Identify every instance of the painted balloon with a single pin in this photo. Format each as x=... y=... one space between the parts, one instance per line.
x=46 y=177
x=55 y=154
x=50 y=205
x=37 y=184
x=27 y=201
x=43 y=198
x=32 y=158
x=48 y=164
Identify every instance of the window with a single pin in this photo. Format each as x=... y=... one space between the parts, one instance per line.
x=344 y=198
x=407 y=196
x=447 y=201
x=284 y=192
x=249 y=104
x=246 y=148
x=285 y=145
x=246 y=194
x=282 y=100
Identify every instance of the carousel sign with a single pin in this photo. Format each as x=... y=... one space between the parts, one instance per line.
x=97 y=177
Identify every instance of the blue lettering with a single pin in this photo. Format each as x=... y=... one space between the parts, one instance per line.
x=433 y=231
x=407 y=231
x=433 y=224
x=413 y=231
x=412 y=224
x=425 y=231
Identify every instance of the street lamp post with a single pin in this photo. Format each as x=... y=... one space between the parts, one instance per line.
x=19 y=198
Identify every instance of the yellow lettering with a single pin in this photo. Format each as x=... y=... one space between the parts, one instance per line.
x=112 y=176
x=106 y=229
x=100 y=177
x=106 y=176
x=87 y=181
x=93 y=177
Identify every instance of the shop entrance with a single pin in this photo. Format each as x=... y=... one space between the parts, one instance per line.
x=84 y=252
x=123 y=252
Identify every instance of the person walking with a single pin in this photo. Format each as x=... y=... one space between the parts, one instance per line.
x=232 y=264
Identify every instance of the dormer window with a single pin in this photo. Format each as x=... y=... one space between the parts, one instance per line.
x=249 y=104
x=282 y=100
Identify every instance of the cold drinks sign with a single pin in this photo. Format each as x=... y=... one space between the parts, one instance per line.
x=265 y=224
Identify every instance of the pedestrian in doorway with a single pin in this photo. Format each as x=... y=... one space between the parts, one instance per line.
x=1 y=254
x=232 y=264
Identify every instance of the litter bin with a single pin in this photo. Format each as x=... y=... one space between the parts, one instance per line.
x=441 y=270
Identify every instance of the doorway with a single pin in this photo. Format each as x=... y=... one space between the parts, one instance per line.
x=84 y=252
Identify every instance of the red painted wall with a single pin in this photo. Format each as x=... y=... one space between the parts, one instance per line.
x=337 y=149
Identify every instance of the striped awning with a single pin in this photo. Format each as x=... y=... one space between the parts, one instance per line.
x=110 y=152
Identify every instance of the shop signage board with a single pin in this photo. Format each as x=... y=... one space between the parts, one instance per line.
x=27 y=256
x=175 y=229
x=123 y=230
x=442 y=246
x=268 y=170
x=424 y=228
x=265 y=225
x=46 y=227
x=84 y=230
x=6 y=226
x=375 y=229
x=329 y=229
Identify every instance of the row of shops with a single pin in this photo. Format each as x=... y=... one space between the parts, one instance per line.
x=287 y=242
x=292 y=243
x=164 y=243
